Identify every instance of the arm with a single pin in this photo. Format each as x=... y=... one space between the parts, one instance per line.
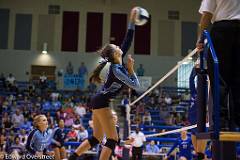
x=173 y=147
x=131 y=80
x=191 y=82
x=30 y=140
x=128 y=39
x=130 y=32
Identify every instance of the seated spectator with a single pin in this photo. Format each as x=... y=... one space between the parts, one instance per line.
x=140 y=108
x=50 y=118
x=147 y=118
x=2 y=143
x=26 y=124
x=152 y=147
x=17 y=119
x=80 y=110
x=16 y=147
x=23 y=137
x=82 y=134
x=69 y=121
x=72 y=135
x=7 y=124
x=168 y=100
x=77 y=122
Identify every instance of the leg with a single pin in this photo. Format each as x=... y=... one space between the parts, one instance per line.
x=134 y=153
x=140 y=152
x=97 y=137
x=63 y=153
x=105 y=117
x=56 y=153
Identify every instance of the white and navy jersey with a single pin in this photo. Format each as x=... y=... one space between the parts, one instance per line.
x=58 y=135
x=116 y=78
x=38 y=141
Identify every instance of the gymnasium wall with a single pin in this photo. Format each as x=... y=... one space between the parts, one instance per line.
x=166 y=35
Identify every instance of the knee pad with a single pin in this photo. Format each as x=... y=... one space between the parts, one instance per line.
x=111 y=143
x=200 y=155
x=93 y=141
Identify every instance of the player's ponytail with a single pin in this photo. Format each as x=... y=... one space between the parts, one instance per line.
x=106 y=52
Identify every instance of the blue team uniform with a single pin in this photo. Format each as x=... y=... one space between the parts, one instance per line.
x=38 y=141
x=59 y=136
x=116 y=78
x=185 y=148
x=192 y=112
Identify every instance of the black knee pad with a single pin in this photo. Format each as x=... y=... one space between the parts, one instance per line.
x=111 y=143
x=93 y=141
x=200 y=155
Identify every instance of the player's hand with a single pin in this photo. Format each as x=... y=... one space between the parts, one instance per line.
x=130 y=64
x=133 y=15
x=199 y=45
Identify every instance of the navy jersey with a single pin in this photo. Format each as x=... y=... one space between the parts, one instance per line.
x=192 y=112
x=185 y=148
x=116 y=78
x=59 y=136
x=38 y=141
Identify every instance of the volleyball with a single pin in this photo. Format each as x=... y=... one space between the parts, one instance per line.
x=142 y=16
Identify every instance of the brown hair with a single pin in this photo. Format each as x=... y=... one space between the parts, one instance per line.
x=106 y=52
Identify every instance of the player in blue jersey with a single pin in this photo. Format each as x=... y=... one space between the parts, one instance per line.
x=58 y=141
x=39 y=139
x=184 y=143
x=117 y=77
x=199 y=145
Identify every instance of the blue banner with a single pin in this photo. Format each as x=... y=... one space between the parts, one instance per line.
x=73 y=81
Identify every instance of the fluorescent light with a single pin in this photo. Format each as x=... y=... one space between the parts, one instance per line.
x=44 y=51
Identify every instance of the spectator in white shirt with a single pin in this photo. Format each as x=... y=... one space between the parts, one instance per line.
x=17 y=119
x=80 y=110
x=82 y=134
x=137 y=144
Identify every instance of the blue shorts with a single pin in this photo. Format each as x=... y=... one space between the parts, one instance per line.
x=99 y=101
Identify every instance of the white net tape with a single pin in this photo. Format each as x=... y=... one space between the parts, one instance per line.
x=155 y=85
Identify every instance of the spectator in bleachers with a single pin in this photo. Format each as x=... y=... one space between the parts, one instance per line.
x=80 y=110
x=69 y=121
x=7 y=124
x=26 y=124
x=43 y=82
x=151 y=104
x=16 y=147
x=82 y=71
x=168 y=100
x=50 y=118
x=152 y=147
x=10 y=81
x=77 y=121
x=58 y=141
x=82 y=133
x=2 y=143
x=17 y=119
x=140 y=70
x=147 y=119
x=72 y=135
x=23 y=137
x=92 y=87
x=137 y=119
x=137 y=144
x=3 y=80
x=140 y=108
x=69 y=68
